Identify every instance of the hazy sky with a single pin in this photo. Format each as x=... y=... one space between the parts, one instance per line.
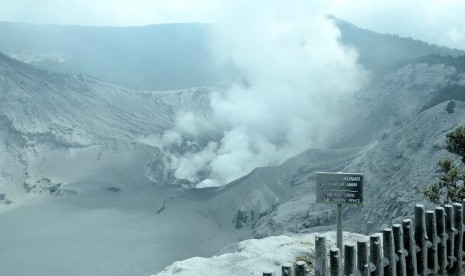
x=436 y=21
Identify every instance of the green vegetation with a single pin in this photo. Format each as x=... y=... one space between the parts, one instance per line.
x=450 y=107
x=450 y=187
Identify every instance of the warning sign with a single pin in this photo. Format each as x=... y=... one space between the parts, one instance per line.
x=339 y=188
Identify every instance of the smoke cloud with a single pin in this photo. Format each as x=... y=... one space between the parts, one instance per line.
x=295 y=78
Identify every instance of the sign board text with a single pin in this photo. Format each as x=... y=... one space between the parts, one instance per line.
x=339 y=188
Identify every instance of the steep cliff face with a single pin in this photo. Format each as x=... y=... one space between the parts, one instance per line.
x=392 y=97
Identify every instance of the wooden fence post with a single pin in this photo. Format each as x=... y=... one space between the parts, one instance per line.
x=458 y=225
x=349 y=260
x=399 y=249
x=376 y=258
x=362 y=258
x=334 y=262
x=301 y=269
x=442 y=240
x=463 y=230
x=388 y=253
x=463 y=220
x=320 y=256
x=286 y=269
x=434 y=247
x=410 y=248
x=420 y=237
x=432 y=257
x=450 y=230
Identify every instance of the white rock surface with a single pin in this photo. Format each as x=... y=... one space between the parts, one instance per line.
x=253 y=257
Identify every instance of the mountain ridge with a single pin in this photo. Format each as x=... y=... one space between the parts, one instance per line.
x=385 y=52
x=141 y=57
x=154 y=57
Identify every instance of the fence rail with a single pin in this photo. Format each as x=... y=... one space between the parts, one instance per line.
x=432 y=244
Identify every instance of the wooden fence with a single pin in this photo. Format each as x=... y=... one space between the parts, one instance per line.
x=432 y=244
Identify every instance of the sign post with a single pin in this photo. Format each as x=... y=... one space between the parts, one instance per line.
x=339 y=226
x=339 y=188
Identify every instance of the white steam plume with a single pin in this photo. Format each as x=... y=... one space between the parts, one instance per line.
x=296 y=77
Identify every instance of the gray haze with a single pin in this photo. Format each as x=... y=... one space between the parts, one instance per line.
x=435 y=21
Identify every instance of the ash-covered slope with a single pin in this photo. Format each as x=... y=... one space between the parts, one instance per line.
x=389 y=136
x=36 y=101
x=74 y=181
x=249 y=201
x=400 y=130
x=396 y=167
x=392 y=97
x=74 y=141
x=51 y=123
